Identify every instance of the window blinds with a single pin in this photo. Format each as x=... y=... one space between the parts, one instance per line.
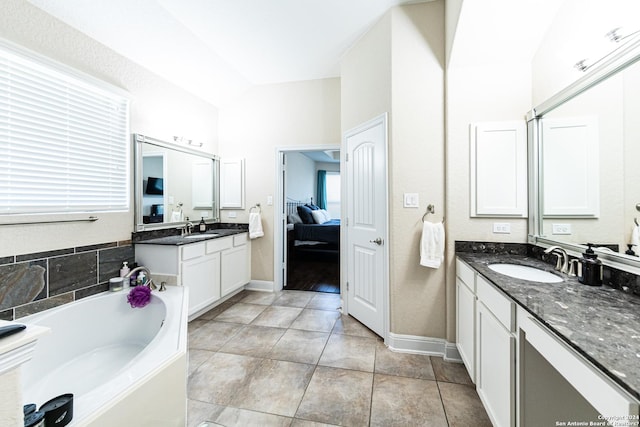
x=64 y=145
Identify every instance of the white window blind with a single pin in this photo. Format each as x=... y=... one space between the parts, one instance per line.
x=64 y=145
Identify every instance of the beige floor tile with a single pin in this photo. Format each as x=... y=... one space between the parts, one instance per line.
x=345 y=351
x=322 y=301
x=300 y=346
x=315 y=320
x=263 y=298
x=221 y=377
x=213 y=335
x=463 y=406
x=215 y=311
x=195 y=324
x=199 y=412
x=347 y=325
x=402 y=364
x=234 y=417
x=241 y=313
x=304 y=423
x=406 y=401
x=337 y=396
x=277 y=317
x=451 y=372
x=294 y=298
x=196 y=358
x=254 y=341
x=276 y=387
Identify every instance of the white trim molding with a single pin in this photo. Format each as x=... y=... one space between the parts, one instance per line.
x=260 y=285
x=424 y=345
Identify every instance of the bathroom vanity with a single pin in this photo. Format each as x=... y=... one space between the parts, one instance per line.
x=213 y=265
x=547 y=353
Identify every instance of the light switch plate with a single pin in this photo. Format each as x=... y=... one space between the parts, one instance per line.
x=502 y=228
x=411 y=200
x=269 y=200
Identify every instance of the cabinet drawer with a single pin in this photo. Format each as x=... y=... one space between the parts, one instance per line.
x=466 y=274
x=217 y=245
x=501 y=306
x=240 y=239
x=192 y=251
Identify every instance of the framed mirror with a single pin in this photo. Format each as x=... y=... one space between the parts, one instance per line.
x=173 y=185
x=583 y=146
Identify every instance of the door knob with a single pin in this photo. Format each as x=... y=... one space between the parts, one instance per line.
x=378 y=241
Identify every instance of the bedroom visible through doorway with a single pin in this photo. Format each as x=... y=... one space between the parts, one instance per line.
x=311 y=240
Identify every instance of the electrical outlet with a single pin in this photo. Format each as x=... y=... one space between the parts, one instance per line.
x=204 y=214
x=501 y=227
x=231 y=214
x=561 y=229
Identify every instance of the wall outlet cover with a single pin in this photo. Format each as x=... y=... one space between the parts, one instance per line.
x=501 y=228
x=231 y=214
x=561 y=229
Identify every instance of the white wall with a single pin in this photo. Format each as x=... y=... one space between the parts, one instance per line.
x=398 y=67
x=158 y=109
x=293 y=114
x=301 y=177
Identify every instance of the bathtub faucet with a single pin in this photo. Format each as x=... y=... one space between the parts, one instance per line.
x=146 y=271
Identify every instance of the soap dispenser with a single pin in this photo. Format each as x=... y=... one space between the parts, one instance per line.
x=591 y=268
x=202 y=226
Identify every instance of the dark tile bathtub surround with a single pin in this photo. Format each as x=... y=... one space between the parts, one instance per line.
x=34 y=282
x=601 y=323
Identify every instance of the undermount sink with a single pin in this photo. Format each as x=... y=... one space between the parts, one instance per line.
x=526 y=273
x=200 y=236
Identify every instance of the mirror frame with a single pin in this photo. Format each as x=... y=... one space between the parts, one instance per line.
x=621 y=58
x=138 y=140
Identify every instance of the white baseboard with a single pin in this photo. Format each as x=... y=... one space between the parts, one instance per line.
x=423 y=345
x=259 y=285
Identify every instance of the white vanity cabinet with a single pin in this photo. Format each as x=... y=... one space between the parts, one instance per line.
x=495 y=353
x=237 y=262
x=212 y=269
x=466 y=315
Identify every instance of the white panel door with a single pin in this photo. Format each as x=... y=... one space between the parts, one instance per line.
x=367 y=272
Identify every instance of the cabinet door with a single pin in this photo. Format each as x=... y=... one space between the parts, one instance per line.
x=202 y=276
x=465 y=326
x=495 y=367
x=234 y=269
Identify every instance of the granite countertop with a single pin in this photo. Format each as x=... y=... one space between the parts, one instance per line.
x=192 y=238
x=601 y=323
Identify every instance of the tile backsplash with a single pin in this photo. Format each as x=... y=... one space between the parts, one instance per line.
x=35 y=282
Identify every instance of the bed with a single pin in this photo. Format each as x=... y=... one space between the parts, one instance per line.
x=310 y=234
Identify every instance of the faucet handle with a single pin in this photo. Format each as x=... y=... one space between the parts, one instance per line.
x=558 y=260
x=573 y=267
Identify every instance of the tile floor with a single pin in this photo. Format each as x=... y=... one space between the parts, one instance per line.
x=291 y=359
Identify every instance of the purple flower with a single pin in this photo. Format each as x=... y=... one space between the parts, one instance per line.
x=139 y=296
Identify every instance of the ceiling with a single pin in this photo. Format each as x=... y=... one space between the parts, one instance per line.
x=219 y=48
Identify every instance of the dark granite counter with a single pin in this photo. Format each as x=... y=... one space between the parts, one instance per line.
x=601 y=323
x=178 y=240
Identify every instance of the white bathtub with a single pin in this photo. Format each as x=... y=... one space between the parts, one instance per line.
x=125 y=366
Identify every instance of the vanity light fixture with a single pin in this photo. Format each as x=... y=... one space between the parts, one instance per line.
x=181 y=139
x=614 y=36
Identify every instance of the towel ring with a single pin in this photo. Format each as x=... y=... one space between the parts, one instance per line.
x=430 y=210
x=257 y=207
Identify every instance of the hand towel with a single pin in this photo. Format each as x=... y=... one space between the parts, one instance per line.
x=255 y=225
x=176 y=216
x=432 y=244
x=635 y=238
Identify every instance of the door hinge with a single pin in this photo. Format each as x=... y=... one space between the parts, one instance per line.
x=346 y=157
x=347 y=286
x=346 y=222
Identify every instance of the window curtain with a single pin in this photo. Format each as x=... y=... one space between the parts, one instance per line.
x=321 y=192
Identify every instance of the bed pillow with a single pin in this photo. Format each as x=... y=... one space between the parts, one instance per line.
x=294 y=218
x=327 y=215
x=305 y=215
x=318 y=216
x=312 y=207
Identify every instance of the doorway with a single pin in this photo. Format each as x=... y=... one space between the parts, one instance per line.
x=308 y=220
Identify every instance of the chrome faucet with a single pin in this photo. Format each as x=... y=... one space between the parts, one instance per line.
x=563 y=266
x=186 y=230
x=149 y=283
